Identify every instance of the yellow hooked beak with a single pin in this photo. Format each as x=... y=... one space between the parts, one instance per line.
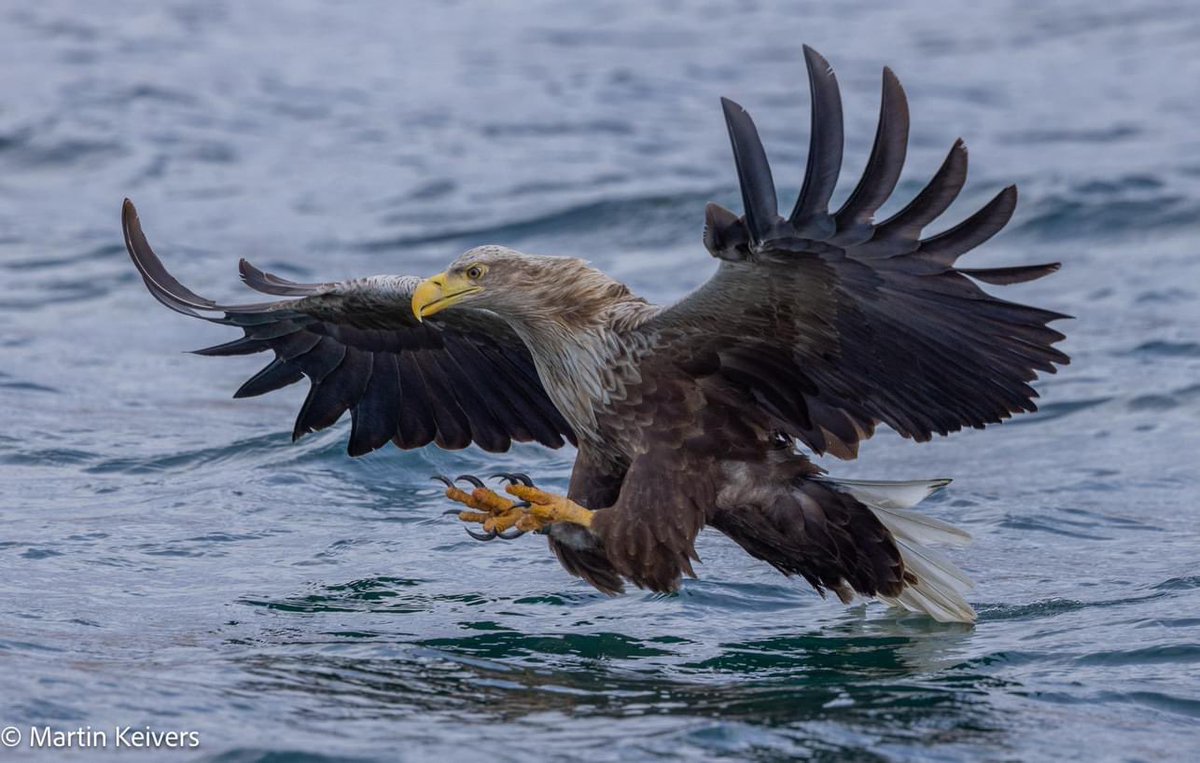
x=435 y=294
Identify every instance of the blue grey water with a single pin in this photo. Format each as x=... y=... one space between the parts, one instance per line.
x=168 y=558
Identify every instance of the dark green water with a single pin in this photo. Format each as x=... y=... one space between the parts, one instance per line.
x=169 y=559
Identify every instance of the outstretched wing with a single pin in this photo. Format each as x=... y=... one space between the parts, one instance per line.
x=458 y=377
x=832 y=323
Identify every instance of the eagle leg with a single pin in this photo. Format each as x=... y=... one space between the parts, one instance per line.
x=507 y=519
x=546 y=508
x=497 y=514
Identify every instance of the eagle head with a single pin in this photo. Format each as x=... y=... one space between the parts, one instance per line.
x=523 y=288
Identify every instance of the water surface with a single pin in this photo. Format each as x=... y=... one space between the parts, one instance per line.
x=168 y=558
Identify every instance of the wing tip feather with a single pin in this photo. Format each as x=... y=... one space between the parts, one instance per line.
x=816 y=63
x=1011 y=275
x=753 y=170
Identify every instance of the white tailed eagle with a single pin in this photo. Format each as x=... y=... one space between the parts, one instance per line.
x=817 y=327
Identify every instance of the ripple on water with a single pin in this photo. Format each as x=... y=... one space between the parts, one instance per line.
x=282 y=755
x=1167 y=653
x=1162 y=348
x=1063 y=217
x=44 y=261
x=1166 y=401
x=1179 y=584
x=377 y=595
x=657 y=217
x=1049 y=411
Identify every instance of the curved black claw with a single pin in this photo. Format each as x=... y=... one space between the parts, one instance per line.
x=442 y=479
x=481 y=536
x=513 y=478
x=472 y=479
x=511 y=535
x=455 y=512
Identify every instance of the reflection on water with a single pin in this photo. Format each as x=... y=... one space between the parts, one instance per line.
x=881 y=681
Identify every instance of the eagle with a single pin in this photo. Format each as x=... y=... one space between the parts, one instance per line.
x=816 y=328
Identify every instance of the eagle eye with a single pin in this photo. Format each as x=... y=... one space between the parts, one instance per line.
x=474 y=272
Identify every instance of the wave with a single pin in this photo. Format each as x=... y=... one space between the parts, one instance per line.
x=651 y=218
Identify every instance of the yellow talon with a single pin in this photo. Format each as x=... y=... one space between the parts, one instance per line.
x=548 y=508
x=493 y=502
x=481 y=499
x=498 y=515
x=529 y=523
x=502 y=522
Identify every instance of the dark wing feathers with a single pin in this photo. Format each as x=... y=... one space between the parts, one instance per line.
x=417 y=426
x=268 y=283
x=376 y=414
x=322 y=407
x=277 y=374
x=831 y=324
x=459 y=377
x=810 y=216
x=241 y=346
x=295 y=344
x=855 y=219
x=754 y=174
x=1007 y=276
x=946 y=247
x=934 y=199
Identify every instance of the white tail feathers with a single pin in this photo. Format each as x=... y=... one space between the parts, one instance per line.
x=940 y=585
